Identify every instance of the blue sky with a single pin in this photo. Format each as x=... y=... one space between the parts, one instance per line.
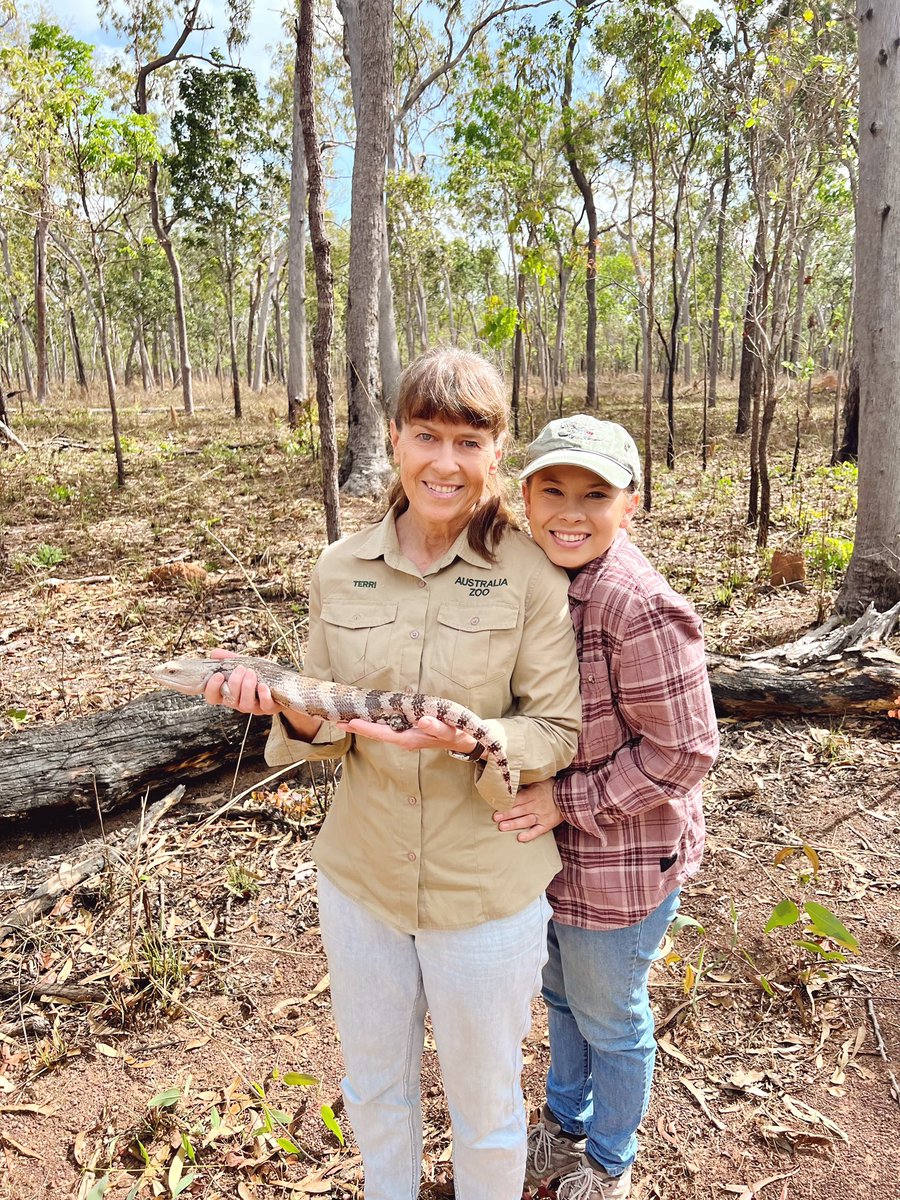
x=265 y=29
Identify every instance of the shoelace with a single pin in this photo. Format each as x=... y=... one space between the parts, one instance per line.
x=579 y=1184
x=540 y=1141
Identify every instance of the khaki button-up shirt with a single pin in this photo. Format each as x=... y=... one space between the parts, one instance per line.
x=410 y=834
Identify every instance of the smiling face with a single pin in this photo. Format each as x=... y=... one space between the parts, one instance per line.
x=444 y=470
x=574 y=514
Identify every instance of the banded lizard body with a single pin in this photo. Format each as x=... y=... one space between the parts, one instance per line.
x=334 y=701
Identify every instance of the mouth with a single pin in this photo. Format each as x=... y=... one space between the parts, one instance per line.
x=568 y=539
x=443 y=491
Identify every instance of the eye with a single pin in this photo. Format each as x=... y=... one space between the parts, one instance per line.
x=472 y=444
x=549 y=490
x=425 y=437
x=597 y=496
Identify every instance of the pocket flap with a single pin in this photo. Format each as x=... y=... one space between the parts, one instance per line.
x=350 y=615
x=470 y=618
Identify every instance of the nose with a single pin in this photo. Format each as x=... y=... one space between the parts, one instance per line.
x=445 y=458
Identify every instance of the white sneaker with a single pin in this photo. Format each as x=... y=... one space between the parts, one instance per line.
x=588 y=1182
x=551 y=1150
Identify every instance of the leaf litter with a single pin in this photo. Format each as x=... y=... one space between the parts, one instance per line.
x=195 y=968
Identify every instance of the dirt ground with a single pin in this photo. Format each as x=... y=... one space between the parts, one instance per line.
x=160 y=1028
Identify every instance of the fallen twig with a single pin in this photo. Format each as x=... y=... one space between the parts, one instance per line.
x=879 y=1040
x=46 y=895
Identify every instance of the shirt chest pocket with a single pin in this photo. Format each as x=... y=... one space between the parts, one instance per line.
x=358 y=637
x=476 y=643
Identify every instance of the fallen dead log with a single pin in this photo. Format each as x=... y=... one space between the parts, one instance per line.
x=833 y=670
x=111 y=758
x=851 y=684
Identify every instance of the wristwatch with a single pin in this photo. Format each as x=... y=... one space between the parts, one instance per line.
x=473 y=755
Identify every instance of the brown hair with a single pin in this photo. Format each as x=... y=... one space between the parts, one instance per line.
x=458 y=387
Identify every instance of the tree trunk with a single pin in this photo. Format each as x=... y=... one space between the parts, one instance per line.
x=448 y=293
x=365 y=469
x=321 y=248
x=874 y=572
x=353 y=13
x=587 y=194
x=108 y=366
x=518 y=351
x=232 y=344
x=276 y=266
x=714 y=336
x=559 y=343
x=160 y=228
x=80 y=376
x=17 y=311
x=388 y=348
x=849 y=448
x=750 y=349
x=252 y=306
x=297 y=384
x=797 y=327
x=41 y=366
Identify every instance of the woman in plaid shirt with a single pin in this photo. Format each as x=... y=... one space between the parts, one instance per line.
x=627 y=813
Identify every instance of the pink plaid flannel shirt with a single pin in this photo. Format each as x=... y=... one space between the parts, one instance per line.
x=631 y=798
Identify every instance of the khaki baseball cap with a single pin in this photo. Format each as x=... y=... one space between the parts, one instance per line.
x=582 y=441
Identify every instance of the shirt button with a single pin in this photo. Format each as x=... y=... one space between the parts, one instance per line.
x=421 y=583
x=411 y=856
x=473 y=621
x=590 y=679
x=414 y=633
x=411 y=800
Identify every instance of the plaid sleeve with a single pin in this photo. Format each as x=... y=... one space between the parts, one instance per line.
x=662 y=694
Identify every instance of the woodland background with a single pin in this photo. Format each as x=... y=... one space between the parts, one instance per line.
x=680 y=215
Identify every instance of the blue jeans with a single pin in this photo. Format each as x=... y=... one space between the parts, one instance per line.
x=602 y=1048
x=478 y=984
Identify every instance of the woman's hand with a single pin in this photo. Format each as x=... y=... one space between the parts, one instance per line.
x=243 y=691
x=427 y=734
x=534 y=813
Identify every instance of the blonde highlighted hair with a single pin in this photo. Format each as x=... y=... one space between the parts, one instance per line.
x=459 y=388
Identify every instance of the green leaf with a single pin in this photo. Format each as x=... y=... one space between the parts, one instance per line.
x=826 y=924
x=682 y=921
x=167 y=1099
x=183 y=1185
x=297 y=1079
x=331 y=1122
x=784 y=913
x=98 y=1191
x=815 y=948
x=288 y=1146
x=765 y=985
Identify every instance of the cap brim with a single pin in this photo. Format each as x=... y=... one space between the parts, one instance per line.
x=605 y=468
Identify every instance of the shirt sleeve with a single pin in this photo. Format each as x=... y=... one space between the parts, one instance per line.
x=540 y=733
x=662 y=693
x=283 y=745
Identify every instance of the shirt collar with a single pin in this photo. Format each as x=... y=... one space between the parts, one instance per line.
x=583 y=584
x=383 y=542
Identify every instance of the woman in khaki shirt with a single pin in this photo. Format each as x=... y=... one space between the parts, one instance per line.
x=424 y=903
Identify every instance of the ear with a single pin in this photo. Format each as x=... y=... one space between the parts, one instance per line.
x=498 y=454
x=395 y=437
x=526 y=496
x=634 y=503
